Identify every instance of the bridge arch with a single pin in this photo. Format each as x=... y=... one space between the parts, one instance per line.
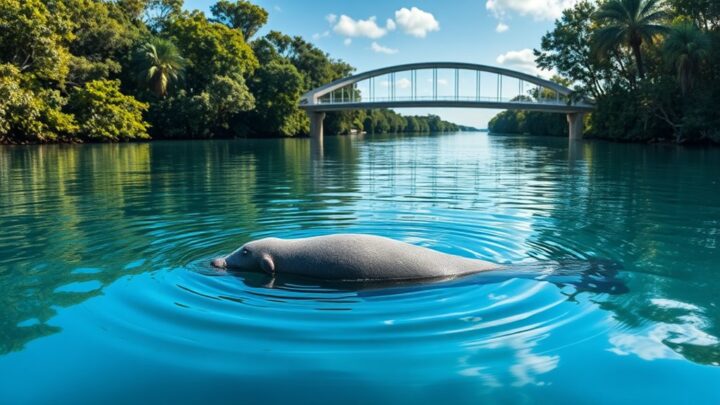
x=348 y=93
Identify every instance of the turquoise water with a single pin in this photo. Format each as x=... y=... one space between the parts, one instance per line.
x=106 y=294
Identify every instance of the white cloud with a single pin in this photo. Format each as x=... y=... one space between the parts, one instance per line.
x=278 y=8
x=347 y=41
x=331 y=18
x=316 y=36
x=416 y=22
x=403 y=83
x=502 y=27
x=382 y=49
x=390 y=24
x=538 y=9
x=349 y=27
x=524 y=61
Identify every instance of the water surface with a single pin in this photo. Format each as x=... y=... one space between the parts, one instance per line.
x=105 y=293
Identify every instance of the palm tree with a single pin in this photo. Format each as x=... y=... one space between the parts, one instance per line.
x=160 y=64
x=631 y=23
x=686 y=47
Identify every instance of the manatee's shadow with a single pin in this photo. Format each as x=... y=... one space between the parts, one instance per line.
x=594 y=276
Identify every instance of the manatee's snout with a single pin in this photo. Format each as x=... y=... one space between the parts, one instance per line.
x=220 y=263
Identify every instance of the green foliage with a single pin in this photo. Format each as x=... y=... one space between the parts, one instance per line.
x=316 y=67
x=33 y=38
x=277 y=86
x=529 y=122
x=216 y=63
x=105 y=114
x=30 y=115
x=115 y=70
x=241 y=15
x=630 y=23
x=567 y=50
x=208 y=114
x=102 y=35
x=159 y=64
x=388 y=121
x=678 y=67
x=213 y=49
x=291 y=66
x=685 y=49
x=704 y=13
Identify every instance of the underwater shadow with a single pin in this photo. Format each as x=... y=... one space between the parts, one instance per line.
x=595 y=276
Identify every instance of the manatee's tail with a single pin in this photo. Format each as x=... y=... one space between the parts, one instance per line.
x=599 y=276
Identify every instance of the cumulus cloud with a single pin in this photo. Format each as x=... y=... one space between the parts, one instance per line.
x=349 y=27
x=416 y=22
x=403 y=83
x=390 y=24
x=538 y=9
x=331 y=19
x=377 y=48
x=502 y=27
x=524 y=61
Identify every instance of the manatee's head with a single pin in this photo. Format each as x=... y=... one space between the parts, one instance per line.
x=252 y=256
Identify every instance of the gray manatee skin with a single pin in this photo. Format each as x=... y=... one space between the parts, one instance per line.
x=349 y=257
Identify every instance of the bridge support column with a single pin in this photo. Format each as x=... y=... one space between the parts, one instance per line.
x=576 y=125
x=316 y=124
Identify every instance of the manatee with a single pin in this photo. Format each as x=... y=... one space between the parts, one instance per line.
x=349 y=257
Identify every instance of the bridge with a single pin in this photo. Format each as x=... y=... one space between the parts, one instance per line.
x=444 y=84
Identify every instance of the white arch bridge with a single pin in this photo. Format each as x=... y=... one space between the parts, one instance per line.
x=443 y=84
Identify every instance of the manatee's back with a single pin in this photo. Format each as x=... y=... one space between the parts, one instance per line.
x=367 y=257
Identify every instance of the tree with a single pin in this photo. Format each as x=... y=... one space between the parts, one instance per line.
x=228 y=97
x=315 y=65
x=685 y=48
x=159 y=14
x=567 y=50
x=705 y=13
x=160 y=64
x=31 y=115
x=277 y=87
x=630 y=23
x=105 y=114
x=212 y=49
x=241 y=15
x=33 y=37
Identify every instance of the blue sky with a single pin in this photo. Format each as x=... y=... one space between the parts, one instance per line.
x=492 y=32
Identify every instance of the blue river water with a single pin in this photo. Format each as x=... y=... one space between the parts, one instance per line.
x=611 y=294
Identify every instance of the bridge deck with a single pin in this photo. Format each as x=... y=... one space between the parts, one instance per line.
x=501 y=105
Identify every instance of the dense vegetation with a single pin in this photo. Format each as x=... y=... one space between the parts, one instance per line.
x=652 y=66
x=102 y=70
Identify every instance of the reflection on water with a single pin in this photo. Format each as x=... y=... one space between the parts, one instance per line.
x=108 y=245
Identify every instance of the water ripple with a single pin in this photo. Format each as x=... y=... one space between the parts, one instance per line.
x=609 y=250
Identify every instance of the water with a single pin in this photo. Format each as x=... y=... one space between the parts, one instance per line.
x=106 y=296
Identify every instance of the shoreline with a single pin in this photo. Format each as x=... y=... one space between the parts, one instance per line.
x=659 y=142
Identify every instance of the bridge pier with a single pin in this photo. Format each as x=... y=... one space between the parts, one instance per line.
x=576 y=125
x=316 y=124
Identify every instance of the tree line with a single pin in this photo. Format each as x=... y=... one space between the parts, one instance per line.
x=652 y=67
x=117 y=70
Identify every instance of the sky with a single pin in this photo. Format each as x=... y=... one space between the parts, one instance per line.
x=371 y=34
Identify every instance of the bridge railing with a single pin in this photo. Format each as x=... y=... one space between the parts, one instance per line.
x=354 y=100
